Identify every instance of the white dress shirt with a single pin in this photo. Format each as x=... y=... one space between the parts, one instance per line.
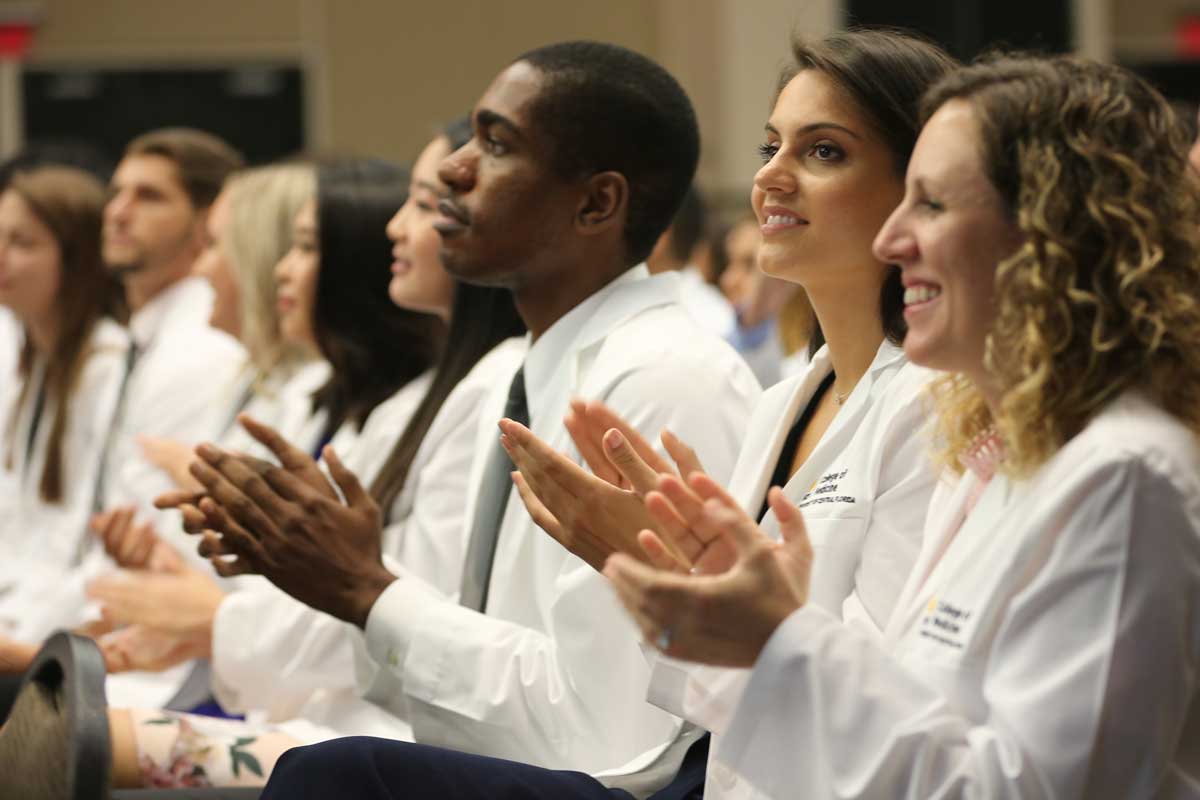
x=553 y=673
x=45 y=543
x=1045 y=646
x=708 y=306
x=863 y=490
x=181 y=388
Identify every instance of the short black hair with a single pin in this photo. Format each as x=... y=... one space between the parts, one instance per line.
x=607 y=108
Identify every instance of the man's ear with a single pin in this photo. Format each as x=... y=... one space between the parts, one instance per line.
x=605 y=204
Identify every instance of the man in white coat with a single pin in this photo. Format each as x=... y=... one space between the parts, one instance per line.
x=581 y=154
x=179 y=367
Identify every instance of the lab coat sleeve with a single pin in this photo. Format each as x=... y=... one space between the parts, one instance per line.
x=472 y=681
x=271 y=652
x=1084 y=685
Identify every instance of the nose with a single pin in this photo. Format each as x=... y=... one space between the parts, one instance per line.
x=282 y=268
x=458 y=169
x=895 y=242
x=773 y=177
x=118 y=206
x=395 y=226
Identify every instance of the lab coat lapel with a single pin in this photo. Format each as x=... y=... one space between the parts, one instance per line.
x=773 y=420
x=842 y=429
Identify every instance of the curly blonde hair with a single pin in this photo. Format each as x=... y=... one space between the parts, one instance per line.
x=1102 y=295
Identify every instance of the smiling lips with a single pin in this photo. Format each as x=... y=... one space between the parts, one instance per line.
x=780 y=219
x=921 y=293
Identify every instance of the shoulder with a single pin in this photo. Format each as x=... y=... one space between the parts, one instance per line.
x=665 y=341
x=105 y=354
x=1132 y=433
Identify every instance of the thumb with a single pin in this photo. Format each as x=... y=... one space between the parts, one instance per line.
x=346 y=480
x=791 y=521
x=620 y=454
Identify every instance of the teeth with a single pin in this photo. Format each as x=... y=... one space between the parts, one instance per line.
x=782 y=219
x=920 y=294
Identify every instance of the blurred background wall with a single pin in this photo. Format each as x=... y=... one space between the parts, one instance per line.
x=377 y=76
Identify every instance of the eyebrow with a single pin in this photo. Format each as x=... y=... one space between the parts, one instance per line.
x=485 y=118
x=815 y=126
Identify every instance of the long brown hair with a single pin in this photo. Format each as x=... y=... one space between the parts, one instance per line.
x=70 y=202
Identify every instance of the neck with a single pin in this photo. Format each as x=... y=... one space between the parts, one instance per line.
x=143 y=286
x=43 y=333
x=853 y=332
x=660 y=265
x=544 y=303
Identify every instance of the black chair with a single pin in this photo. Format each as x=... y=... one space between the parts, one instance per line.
x=58 y=726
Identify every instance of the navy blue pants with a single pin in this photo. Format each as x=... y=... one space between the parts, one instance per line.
x=365 y=768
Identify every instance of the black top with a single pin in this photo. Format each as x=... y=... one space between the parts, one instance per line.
x=787 y=456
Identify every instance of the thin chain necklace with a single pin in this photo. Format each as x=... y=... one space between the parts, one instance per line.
x=839 y=398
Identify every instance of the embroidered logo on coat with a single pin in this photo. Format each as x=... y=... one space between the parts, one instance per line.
x=825 y=490
x=945 y=623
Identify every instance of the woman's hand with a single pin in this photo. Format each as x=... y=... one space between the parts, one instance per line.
x=172 y=457
x=138 y=648
x=183 y=603
x=591 y=516
x=132 y=544
x=723 y=619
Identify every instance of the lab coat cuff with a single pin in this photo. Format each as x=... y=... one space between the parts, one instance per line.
x=393 y=621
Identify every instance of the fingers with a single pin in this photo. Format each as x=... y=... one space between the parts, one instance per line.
x=194 y=520
x=540 y=515
x=684 y=456
x=621 y=454
x=234 y=487
x=673 y=525
x=587 y=440
x=177 y=498
x=657 y=552
x=234 y=538
x=346 y=480
x=604 y=418
x=791 y=521
x=290 y=456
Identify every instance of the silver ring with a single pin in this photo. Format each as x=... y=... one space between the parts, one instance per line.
x=663 y=641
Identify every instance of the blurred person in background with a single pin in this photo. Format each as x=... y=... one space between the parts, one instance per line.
x=70 y=353
x=180 y=369
x=333 y=284
x=774 y=320
x=676 y=251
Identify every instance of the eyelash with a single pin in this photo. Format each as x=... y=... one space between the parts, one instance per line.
x=932 y=205
x=768 y=150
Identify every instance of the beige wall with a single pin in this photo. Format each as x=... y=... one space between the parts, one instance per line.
x=381 y=74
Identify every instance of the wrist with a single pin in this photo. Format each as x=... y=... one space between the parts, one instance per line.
x=365 y=593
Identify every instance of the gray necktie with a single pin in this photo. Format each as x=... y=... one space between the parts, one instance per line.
x=100 y=489
x=489 y=510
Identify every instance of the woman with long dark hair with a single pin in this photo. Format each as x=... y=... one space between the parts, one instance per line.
x=61 y=403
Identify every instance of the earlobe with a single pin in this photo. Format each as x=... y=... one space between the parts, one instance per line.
x=604 y=204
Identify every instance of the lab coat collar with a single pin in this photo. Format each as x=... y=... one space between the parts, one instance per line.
x=630 y=293
x=147 y=321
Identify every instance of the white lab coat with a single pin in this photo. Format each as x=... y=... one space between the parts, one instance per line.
x=705 y=302
x=553 y=674
x=864 y=491
x=181 y=388
x=43 y=543
x=1047 y=648
x=271 y=652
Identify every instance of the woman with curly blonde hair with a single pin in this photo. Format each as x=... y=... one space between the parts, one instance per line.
x=1046 y=643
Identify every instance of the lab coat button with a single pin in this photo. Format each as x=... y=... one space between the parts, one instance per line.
x=391 y=659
